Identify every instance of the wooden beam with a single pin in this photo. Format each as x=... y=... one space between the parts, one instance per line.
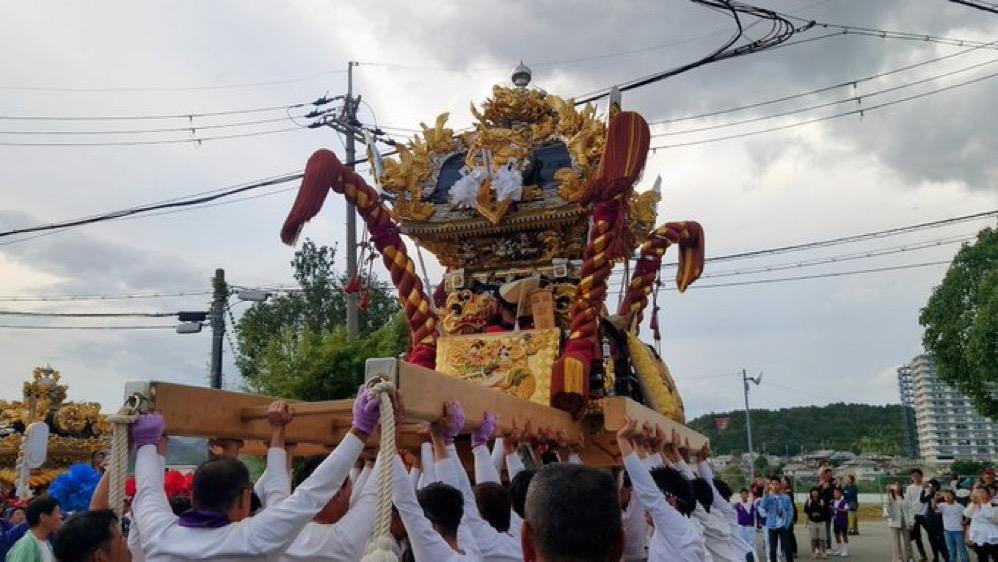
x=616 y=408
x=304 y=409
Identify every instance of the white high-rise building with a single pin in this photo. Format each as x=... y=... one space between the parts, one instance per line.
x=947 y=426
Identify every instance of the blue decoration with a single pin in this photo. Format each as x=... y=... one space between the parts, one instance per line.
x=74 y=489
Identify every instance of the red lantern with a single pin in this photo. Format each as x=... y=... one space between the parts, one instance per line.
x=722 y=423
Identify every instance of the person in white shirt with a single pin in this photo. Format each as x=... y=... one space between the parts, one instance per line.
x=918 y=500
x=746 y=517
x=634 y=520
x=983 y=530
x=667 y=497
x=341 y=530
x=572 y=513
x=722 y=511
x=952 y=514
x=218 y=528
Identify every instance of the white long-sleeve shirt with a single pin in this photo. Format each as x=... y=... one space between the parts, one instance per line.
x=274 y=484
x=675 y=537
x=425 y=541
x=343 y=541
x=358 y=485
x=724 y=523
x=262 y=537
x=493 y=544
x=426 y=462
x=635 y=525
x=913 y=496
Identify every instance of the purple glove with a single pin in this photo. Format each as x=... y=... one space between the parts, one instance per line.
x=366 y=411
x=456 y=422
x=485 y=431
x=148 y=429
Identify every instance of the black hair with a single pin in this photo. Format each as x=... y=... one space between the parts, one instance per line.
x=918 y=471
x=443 y=505
x=723 y=489
x=255 y=503
x=625 y=481
x=219 y=483
x=574 y=513
x=935 y=484
x=84 y=534
x=306 y=469
x=518 y=490
x=673 y=484
x=42 y=505
x=180 y=504
x=742 y=491
x=494 y=504
x=703 y=493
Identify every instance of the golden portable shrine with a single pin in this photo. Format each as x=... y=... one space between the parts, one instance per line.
x=43 y=434
x=529 y=211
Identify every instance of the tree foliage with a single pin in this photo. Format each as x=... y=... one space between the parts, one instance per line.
x=295 y=345
x=961 y=323
x=853 y=427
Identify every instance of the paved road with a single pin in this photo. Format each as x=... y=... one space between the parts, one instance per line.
x=871 y=545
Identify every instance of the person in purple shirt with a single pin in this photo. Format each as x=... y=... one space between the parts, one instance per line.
x=840 y=522
x=745 y=508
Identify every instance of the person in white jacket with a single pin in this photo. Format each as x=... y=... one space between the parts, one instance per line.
x=897 y=512
x=218 y=528
x=668 y=499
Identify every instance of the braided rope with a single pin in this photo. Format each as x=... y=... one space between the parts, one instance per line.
x=380 y=547
x=21 y=468
x=117 y=465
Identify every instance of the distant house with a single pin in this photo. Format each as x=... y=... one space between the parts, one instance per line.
x=861 y=467
x=798 y=470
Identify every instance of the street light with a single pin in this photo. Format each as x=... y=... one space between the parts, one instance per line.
x=253 y=295
x=748 y=422
x=189 y=328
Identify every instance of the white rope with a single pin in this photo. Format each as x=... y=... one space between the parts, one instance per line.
x=21 y=469
x=380 y=547
x=117 y=465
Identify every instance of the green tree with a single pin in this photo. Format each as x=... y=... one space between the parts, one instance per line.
x=961 y=323
x=295 y=346
x=966 y=467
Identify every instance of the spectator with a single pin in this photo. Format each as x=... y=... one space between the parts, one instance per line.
x=851 y=493
x=817 y=513
x=914 y=494
x=827 y=484
x=779 y=523
x=745 y=508
x=934 y=523
x=952 y=514
x=17 y=516
x=44 y=519
x=91 y=536
x=788 y=490
x=840 y=522
x=572 y=513
x=895 y=511
x=983 y=532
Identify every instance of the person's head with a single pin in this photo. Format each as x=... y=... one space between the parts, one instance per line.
x=786 y=485
x=98 y=459
x=16 y=516
x=518 y=490
x=43 y=514
x=949 y=496
x=916 y=476
x=91 y=536
x=988 y=476
x=722 y=488
x=572 y=513
x=676 y=488
x=825 y=474
x=493 y=504
x=222 y=485
x=814 y=493
x=980 y=496
x=626 y=489
x=935 y=485
x=703 y=493
x=851 y=479
x=337 y=506
x=744 y=494
x=837 y=493
x=179 y=504
x=443 y=505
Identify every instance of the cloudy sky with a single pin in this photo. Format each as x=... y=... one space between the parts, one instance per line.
x=817 y=341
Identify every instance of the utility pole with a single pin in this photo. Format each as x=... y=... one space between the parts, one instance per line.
x=220 y=295
x=748 y=421
x=350 y=115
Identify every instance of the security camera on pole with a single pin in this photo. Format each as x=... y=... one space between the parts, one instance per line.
x=748 y=422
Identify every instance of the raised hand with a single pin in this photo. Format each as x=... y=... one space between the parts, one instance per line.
x=485 y=431
x=279 y=414
x=704 y=453
x=625 y=436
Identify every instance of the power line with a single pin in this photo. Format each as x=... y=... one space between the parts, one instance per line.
x=198 y=140
x=88 y=314
x=815 y=276
x=63 y=298
x=22 y=327
x=857 y=99
x=189 y=115
x=173 y=88
x=844 y=84
x=860 y=112
x=191 y=128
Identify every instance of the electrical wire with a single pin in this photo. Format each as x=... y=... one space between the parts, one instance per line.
x=174 y=88
x=860 y=111
x=854 y=82
x=189 y=115
x=88 y=314
x=63 y=298
x=197 y=141
x=192 y=128
x=22 y=327
x=855 y=99
x=815 y=276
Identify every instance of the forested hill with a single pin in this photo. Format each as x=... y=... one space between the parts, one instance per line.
x=861 y=428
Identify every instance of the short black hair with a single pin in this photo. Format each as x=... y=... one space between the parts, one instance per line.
x=443 y=505
x=918 y=471
x=180 y=504
x=218 y=484
x=493 y=504
x=935 y=484
x=625 y=481
x=672 y=483
x=574 y=513
x=723 y=489
x=307 y=467
x=84 y=534
x=703 y=492
x=742 y=491
x=518 y=490
x=43 y=504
